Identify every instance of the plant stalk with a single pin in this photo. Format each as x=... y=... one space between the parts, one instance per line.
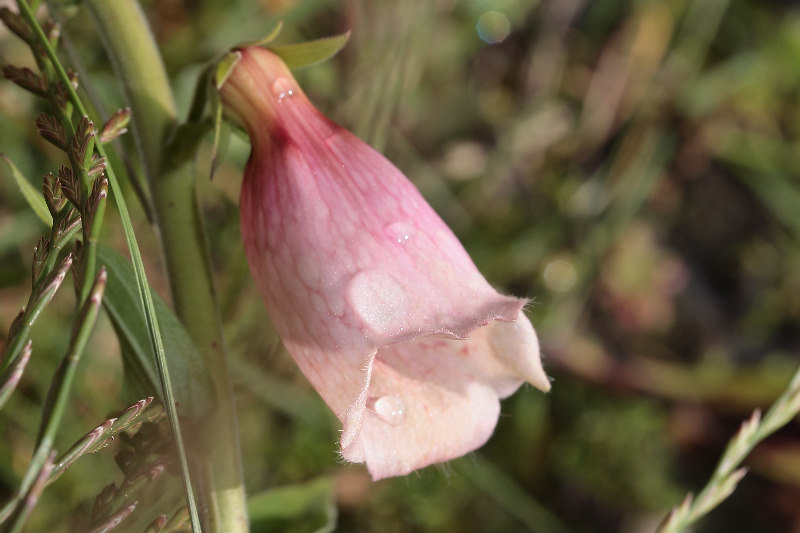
x=141 y=72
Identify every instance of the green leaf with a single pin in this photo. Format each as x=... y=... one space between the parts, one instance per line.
x=303 y=508
x=34 y=197
x=225 y=66
x=186 y=366
x=311 y=52
x=221 y=143
x=183 y=144
x=271 y=36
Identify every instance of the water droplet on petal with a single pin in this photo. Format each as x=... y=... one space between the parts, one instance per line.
x=283 y=88
x=379 y=300
x=400 y=232
x=391 y=409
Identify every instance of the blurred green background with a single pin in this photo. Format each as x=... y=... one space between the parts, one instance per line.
x=630 y=165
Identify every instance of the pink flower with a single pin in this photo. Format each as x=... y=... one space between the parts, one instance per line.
x=372 y=294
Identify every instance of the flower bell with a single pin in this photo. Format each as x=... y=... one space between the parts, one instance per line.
x=371 y=293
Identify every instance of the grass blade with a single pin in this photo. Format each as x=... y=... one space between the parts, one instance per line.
x=32 y=196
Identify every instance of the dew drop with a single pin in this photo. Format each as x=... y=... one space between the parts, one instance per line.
x=282 y=88
x=391 y=409
x=400 y=232
x=379 y=300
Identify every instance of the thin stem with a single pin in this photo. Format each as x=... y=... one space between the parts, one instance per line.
x=10 y=378
x=140 y=69
x=90 y=236
x=58 y=397
x=727 y=473
x=62 y=382
x=40 y=296
x=60 y=237
x=23 y=511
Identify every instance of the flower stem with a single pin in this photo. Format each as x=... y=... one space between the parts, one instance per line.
x=141 y=72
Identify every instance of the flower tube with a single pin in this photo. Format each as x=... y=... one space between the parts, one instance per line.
x=371 y=293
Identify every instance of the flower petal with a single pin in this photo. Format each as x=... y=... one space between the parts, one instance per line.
x=432 y=399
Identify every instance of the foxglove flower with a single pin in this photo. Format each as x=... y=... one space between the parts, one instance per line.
x=371 y=293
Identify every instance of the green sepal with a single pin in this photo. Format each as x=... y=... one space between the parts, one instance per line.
x=221 y=142
x=224 y=67
x=268 y=38
x=214 y=77
x=301 y=55
x=206 y=95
